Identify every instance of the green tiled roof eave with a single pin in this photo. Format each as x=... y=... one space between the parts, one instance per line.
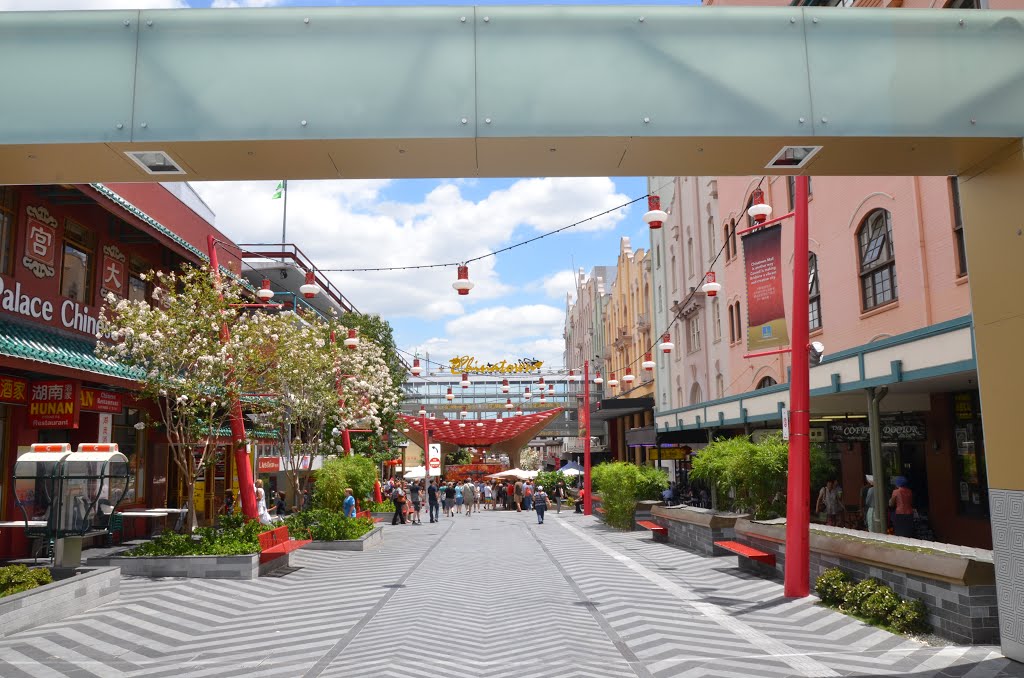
x=43 y=346
x=156 y=225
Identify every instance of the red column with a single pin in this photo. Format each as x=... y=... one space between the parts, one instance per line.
x=798 y=491
x=346 y=441
x=243 y=467
x=586 y=438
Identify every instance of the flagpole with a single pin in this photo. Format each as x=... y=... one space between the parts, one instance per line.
x=284 y=215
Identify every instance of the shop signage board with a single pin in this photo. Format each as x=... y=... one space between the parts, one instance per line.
x=106 y=430
x=14 y=390
x=903 y=428
x=268 y=464
x=470 y=365
x=54 y=404
x=434 y=460
x=95 y=400
x=766 y=311
x=474 y=470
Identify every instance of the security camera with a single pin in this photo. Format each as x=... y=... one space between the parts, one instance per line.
x=815 y=352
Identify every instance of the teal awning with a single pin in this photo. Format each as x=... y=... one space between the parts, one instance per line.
x=48 y=347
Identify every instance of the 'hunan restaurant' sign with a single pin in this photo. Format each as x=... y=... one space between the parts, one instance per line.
x=470 y=365
x=54 y=404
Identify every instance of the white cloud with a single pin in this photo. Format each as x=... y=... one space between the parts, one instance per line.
x=220 y=4
x=502 y=333
x=49 y=5
x=345 y=224
x=559 y=284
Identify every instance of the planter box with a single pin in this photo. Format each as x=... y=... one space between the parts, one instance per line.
x=81 y=592
x=696 y=529
x=382 y=517
x=198 y=567
x=371 y=540
x=958 y=590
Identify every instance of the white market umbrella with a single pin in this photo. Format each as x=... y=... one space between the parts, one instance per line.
x=569 y=472
x=415 y=473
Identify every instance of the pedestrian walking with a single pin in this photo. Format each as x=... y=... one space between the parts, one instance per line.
x=488 y=494
x=902 y=500
x=518 y=493
x=261 y=505
x=868 y=502
x=348 y=507
x=460 y=499
x=830 y=502
x=449 y=499
x=561 y=493
x=540 y=503
x=414 y=497
x=398 y=497
x=528 y=495
x=433 y=502
x=469 y=496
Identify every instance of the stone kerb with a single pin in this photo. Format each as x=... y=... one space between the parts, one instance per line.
x=957 y=588
x=696 y=529
x=369 y=541
x=198 y=567
x=81 y=592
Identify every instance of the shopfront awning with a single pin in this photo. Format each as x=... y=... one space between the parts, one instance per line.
x=33 y=344
x=613 y=408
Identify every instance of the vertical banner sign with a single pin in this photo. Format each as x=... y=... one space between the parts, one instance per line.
x=785 y=423
x=54 y=404
x=766 y=311
x=106 y=429
x=434 y=460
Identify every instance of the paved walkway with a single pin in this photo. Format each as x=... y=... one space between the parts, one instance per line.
x=490 y=595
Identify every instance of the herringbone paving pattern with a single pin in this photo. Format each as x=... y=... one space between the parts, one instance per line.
x=491 y=595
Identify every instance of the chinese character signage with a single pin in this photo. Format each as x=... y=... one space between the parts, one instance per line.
x=54 y=404
x=40 y=242
x=469 y=364
x=95 y=400
x=13 y=390
x=112 y=276
x=766 y=311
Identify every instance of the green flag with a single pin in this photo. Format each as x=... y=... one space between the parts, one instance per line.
x=279 y=191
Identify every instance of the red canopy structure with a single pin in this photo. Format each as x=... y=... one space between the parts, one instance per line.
x=510 y=435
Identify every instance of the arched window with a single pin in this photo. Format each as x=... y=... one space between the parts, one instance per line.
x=719 y=386
x=877 y=259
x=732 y=325
x=813 y=293
x=739 y=323
x=766 y=382
x=675 y=282
x=689 y=257
x=712 y=250
x=695 y=395
x=716 y=319
x=659 y=299
x=732 y=236
x=725 y=241
x=657 y=255
x=679 y=396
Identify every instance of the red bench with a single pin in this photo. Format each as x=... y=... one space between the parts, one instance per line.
x=658 y=533
x=747 y=552
x=276 y=543
x=598 y=509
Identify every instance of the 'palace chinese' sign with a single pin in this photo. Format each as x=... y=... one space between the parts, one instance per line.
x=469 y=364
x=54 y=404
x=13 y=390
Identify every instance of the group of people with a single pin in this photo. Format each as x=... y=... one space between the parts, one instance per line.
x=901 y=501
x=465 y=497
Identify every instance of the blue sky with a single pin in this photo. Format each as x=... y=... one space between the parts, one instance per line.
x=517 y=308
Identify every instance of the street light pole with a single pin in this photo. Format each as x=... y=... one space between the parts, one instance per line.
x=798 y=491
x=586 y=438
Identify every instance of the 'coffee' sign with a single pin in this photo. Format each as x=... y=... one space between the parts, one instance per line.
x=54 y=404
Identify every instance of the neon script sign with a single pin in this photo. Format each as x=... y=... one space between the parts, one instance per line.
x=470 y=365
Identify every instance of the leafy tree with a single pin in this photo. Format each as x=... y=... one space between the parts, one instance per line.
x=621 y=485
x=184 y=365
x=379 y=331
x=529 y=460
x=458 y=457
x=358 y=473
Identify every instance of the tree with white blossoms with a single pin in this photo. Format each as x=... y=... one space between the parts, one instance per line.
x=529 y=460
x=183 y=363
x=316 y=386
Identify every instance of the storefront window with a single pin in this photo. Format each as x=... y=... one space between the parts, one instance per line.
x=130 y=442
x=136 y=285
x=969 y=447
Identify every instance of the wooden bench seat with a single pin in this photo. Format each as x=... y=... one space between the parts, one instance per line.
x=598 y=509
x=747 y=552
x=658 y=533
x=277 y=542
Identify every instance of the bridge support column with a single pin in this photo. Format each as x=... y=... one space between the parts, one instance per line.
x=994 y=229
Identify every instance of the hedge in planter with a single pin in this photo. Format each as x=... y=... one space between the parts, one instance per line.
x=872 y=601
x=19 y=578
x=621 y=485
x=235 y=537
x=324 y=525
